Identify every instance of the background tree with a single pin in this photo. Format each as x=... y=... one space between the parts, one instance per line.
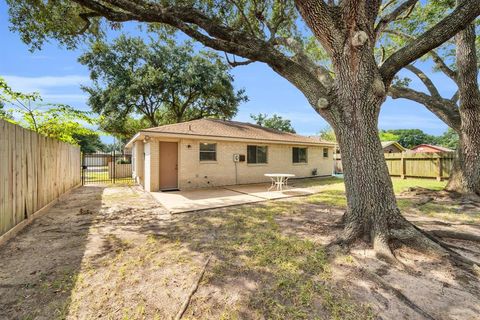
x=122 y=128
x=385 y=135
x=158 y=81
x=457 y=60
x=274 y=122
x=327 y=134
x=56 y=121
x=449 y=139
x=408 y=138
x=290 y=36
x=89 y=142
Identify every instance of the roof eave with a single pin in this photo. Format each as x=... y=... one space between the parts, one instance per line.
x=223 y=138
x=129 y=144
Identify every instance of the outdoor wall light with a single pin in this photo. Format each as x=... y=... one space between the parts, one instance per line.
x=189 y=146
x=145 y=140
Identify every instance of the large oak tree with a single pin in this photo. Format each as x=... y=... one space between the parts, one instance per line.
x=291 y=37
x=158 y=80
x=457 y=60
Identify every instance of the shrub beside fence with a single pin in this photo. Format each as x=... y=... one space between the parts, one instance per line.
x=34 y=172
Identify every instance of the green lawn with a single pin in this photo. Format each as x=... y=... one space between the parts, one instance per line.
x=331 y=191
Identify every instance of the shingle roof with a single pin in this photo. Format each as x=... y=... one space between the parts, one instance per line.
x=434 y=147
x=232 y=129
x=389 y=143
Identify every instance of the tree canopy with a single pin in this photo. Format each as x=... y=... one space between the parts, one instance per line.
x=327 y=134
x=56 y=121
x=457 y=60
x=328 y=49
x=146 y=84
x=273 y=122
x=408 y=138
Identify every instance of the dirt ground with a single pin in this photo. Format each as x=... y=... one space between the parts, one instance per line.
x=114 y=253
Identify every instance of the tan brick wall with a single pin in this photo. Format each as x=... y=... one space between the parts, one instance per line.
x=194 y=173
x=139 y=161
x=152 y=165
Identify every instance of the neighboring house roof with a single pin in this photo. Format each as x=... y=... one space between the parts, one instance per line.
x=439 y=148
x=395 y=143
x=226 y=130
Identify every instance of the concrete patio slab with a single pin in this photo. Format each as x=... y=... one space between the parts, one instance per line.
x=202 y=199
x=194 y=200
x=261 y=191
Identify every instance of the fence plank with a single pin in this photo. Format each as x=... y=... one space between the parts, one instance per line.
x=34 y=171
x=420 y=165
x=414 y=165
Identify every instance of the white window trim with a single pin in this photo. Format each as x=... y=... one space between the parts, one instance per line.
x=200 y=151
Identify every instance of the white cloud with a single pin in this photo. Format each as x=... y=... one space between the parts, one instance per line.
x=39 y=84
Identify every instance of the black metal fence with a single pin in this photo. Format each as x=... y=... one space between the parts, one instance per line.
x=106 y=168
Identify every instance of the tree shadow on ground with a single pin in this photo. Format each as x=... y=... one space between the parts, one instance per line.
x=269 y=262
x=257 y=271
x=39 y=267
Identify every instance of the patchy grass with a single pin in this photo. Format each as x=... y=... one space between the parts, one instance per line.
x=331 y=192
x=292 y=274
x=401 y=185
x=268 y=260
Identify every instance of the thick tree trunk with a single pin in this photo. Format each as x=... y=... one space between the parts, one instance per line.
x=372 y=212
x=371 y=205
x=465 y=175
x=372 y=208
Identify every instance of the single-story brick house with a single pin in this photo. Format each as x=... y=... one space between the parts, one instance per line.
x=211 y=152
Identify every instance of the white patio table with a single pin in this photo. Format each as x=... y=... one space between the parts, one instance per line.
x=279 y=180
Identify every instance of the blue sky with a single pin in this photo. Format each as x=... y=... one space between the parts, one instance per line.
x=56 y=74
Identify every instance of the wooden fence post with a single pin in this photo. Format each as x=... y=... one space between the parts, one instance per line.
x=439 y=167
x=402 y=165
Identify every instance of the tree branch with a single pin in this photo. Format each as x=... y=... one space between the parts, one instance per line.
x=455 y=97
x=318 y=16
x=223 y=38
x=442 y=108
x=322 y=73
x=425 y=79
x=392 y=16
x=463 y=14
x=235 y=63
x=439 y=63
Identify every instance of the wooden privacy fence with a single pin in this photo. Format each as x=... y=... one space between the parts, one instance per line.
x=414 y=165
x=420 y=165
x=34 y=172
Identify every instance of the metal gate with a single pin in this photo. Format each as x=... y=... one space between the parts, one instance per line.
x=112 y=167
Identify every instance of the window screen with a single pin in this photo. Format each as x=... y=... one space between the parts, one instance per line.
x=299 y=155
x=325 y=152
x=257 y=154
x=208 y=152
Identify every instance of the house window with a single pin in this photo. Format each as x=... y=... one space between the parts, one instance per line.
x=208 y=152
x=325 y=152
x=257 y=154
x=299 y=155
